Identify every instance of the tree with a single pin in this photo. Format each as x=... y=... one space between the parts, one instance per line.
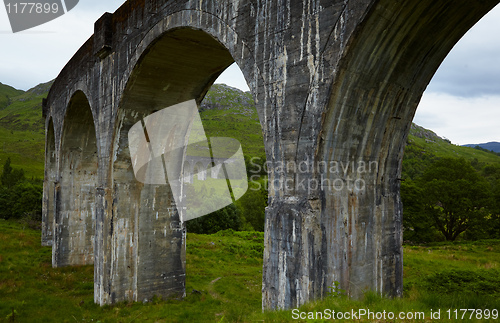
x=18 y=196
x=418 y=227
x=455 y=196
x=10 y=176
x=253 y=204
x=226 y=218
x=26 y=199
x=492 y=174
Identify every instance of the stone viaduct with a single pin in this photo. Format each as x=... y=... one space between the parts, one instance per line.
x=334 y=81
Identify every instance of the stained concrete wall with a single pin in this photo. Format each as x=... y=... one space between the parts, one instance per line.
x=333 y=82
x=74 y=220
x=49 y=187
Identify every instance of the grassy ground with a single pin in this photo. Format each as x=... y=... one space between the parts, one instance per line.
x=224 y=273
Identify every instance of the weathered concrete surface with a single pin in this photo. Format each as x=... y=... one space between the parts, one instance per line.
x=75 y=206
x=49 y=187
x=335 y=83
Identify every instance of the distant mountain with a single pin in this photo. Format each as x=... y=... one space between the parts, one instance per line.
x=493 y=146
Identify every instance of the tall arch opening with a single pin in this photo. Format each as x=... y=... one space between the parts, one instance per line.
x=228 y=110
x=377 y=88
x=75 y=191
x=147 y=233
x=48 y=186
x=460 y=106
x=461 y=99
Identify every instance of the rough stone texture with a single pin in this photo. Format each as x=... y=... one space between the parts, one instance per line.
x=333 y=81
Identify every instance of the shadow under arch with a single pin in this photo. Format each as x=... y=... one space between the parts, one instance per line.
x=377 y=88
x=49 y=186
x=75 y=190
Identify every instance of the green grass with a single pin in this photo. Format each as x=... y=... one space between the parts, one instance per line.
x=224 y=273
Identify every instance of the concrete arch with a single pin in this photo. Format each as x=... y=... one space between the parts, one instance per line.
x=179 y=65
x=184 y=23
x=208 y=21
x=74 y=220
x=377 y=88
x=354 y=236
x=333 y=81
x=49 y=186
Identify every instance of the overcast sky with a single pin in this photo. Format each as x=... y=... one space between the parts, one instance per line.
x=462 y=102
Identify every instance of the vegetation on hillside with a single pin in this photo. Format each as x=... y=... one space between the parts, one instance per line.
x=448 y=191
x=20 y=198
x=22 y=130
x=229 y=112
x=6 y=94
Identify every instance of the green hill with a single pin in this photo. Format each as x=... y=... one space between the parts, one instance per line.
x=6 y=93
x=22 y=135
x=429 y=142
x=230 y=112
x=423 y=146
x=225 y=111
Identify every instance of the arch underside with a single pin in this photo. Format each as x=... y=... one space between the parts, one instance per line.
x=74 y=192
x=374 y=97
x=148 y=237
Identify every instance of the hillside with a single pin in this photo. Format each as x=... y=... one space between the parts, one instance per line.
x=426 y=141
x=6 y=93
x=225 y=111
x=230 y=112
x=22 y=128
